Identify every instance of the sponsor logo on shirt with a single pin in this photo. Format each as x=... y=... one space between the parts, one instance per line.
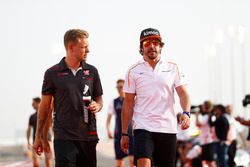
x=62 y=73
x=166 y=70
x=90 y=78
x=86 y=72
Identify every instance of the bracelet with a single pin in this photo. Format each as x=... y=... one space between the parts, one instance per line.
x=124 y=134
x=186 y=113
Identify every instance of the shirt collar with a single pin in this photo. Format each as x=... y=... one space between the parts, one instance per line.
x=64 y=66
x=145 y=62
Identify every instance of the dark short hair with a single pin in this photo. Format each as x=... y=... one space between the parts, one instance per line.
x=73 y=34
x=208 y=105
x=37 y=99
x=221 y=108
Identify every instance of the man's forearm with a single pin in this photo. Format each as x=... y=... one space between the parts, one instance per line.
x=184 y=98
x=100 y=102
x=28 y=136
x=126 y=119
x=47 y=126
x=43 y=113
x=41 y=120
x=108 y=122
x=185 y=102
x=245 y=122
x=127 y=113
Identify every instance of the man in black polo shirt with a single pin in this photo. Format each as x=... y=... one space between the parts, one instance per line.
x=77 y=92
x=32 y=125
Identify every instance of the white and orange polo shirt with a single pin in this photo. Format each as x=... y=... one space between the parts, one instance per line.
x=154 y=108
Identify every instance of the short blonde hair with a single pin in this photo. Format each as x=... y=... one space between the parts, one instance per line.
x=73 y=34
x=120 y=81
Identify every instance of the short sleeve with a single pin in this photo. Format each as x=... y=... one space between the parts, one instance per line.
x=30 y=121
x=111 y=109
x=238 y=126
x=48 y=86
x=180 y=78
x=129 y=85
x=203 y=119
x=97 y=85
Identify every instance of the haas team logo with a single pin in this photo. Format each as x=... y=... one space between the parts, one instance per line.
x=85 y=72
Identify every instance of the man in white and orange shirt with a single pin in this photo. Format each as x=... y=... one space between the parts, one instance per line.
x=149 y=103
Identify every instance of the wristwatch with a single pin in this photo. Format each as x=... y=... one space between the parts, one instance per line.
x=124 y=134
x=186 y=113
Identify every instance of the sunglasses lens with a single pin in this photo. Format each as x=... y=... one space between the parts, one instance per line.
x=156 y=43
x=147 y=43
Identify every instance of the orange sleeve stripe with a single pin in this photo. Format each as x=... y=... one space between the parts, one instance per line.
x=130 y=71
x=178 y=71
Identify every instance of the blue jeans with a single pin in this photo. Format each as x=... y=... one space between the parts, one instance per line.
x=222 y=154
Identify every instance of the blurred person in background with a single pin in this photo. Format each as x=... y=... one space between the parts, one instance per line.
x=190 y=154
x=245 y=122
x=221 y=124
x=32 y=126
x=115 y=108
x=206 y=136
x=235 y=129
x=182 y=138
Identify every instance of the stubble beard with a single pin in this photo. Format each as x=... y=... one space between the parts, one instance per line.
x=152 y=55
x=84 y=57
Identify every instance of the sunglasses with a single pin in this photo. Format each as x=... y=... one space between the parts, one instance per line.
x=147 y=43
x=119 y=87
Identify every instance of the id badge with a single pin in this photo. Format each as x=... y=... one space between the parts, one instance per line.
x=86 y=114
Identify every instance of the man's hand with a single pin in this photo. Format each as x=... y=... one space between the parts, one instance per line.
x=29 y=146
x=46 y=146
x=184 y=120
x=239 y=119
x=110 y=136
x=38 y=145
x=125 y=144
x=94 y=107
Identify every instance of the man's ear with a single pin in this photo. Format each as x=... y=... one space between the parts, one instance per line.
x=70 y=47
x=141 y=51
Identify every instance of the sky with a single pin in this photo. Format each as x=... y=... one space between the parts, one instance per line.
x=209 y=39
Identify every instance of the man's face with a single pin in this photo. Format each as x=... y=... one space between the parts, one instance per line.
x=217 y=112
x=35 y=105
x=80 y=49
x=151 y=48
x=119 y=87
x=229 y=109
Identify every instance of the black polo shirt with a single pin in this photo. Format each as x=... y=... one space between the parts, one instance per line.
x=32 y=123
x=68 y=90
